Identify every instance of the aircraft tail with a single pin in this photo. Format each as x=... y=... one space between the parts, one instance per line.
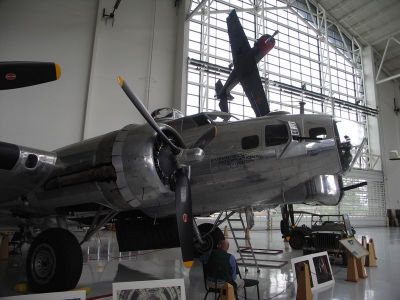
x=218 y=88
x=223 y=96
x=223 y=101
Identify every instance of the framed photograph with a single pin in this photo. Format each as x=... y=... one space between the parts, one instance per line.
x=354 y=246
x=320 y=269
x=323 y=270
x=172 y=289
x=71 y=295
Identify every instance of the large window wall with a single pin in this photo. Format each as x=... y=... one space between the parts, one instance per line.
x=313 y=62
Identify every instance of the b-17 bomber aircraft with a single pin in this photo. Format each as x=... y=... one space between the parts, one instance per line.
x=152 y=180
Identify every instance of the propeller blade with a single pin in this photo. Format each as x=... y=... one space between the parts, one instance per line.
x=354 y=186
x=275 y=33
x=143 y=111
x=206 y=138
x=272 y=36
x=184 y=217
x=17 y=74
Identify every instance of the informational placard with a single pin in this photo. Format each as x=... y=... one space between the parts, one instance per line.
x=71 y=295
x=173 y=289
x=320 y=269
x=354 y=247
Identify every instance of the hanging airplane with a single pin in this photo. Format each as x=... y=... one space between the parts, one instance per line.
x=151 y=180
x=245 y=70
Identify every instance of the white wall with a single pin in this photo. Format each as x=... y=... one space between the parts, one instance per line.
x=50 y=115
x=390 y=140
x=388 y=130
x=142 y=46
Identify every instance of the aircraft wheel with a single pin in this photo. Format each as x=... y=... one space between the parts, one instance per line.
x=211 y=240
x=54 y=261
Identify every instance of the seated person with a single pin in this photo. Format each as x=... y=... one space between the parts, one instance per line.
x=221 y=267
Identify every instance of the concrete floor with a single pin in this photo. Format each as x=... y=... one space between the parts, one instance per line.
x=104 y=265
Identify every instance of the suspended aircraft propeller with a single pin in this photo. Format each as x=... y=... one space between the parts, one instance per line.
x=184 y=157
x=17 y=74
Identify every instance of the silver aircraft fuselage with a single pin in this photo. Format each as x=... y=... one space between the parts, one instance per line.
x=279 y=158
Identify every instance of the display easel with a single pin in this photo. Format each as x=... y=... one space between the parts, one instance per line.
x=355 y=268
x=370 y=260
x=304 y=284
x=227 y=292
x=355 y=254
x=4 y=242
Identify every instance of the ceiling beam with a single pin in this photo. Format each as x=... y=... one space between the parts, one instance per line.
x=385 y=38
x=197 y=8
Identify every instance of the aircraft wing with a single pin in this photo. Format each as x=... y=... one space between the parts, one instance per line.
x=254 y=91
x=237 y=37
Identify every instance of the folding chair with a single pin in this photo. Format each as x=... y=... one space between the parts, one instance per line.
x=216 y=287
x=248 y=283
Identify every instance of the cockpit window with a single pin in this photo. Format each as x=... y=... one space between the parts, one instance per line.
x=250 y=142
x=317 y=133
x=276 y=135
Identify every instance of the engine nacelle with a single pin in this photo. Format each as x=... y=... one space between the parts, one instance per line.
x=122 y=170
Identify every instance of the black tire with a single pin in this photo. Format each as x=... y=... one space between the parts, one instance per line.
x=296 y=240
x=54 y=261
x=211 y=240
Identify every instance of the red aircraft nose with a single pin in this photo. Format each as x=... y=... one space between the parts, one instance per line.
x=268 y=42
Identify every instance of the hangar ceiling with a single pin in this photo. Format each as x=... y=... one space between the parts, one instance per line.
x=373 y=23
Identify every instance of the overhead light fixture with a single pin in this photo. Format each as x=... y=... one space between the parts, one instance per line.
x=112 y=14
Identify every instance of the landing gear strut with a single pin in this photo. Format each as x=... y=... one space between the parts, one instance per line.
x=54 y=261
x=287 y=215
x=290 y=232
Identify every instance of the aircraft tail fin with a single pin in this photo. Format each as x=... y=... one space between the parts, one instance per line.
x=223 y=96
x=218 y=88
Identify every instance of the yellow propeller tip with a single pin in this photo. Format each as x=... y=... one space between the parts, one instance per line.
x=58 y=70
x=188 y=264
x=120 y=80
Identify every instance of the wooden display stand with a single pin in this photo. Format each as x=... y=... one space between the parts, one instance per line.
x=370 y=261
x=304 y=284
x=364 y=244
x=227 y=292
x=355 y=268
x=5 y=240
